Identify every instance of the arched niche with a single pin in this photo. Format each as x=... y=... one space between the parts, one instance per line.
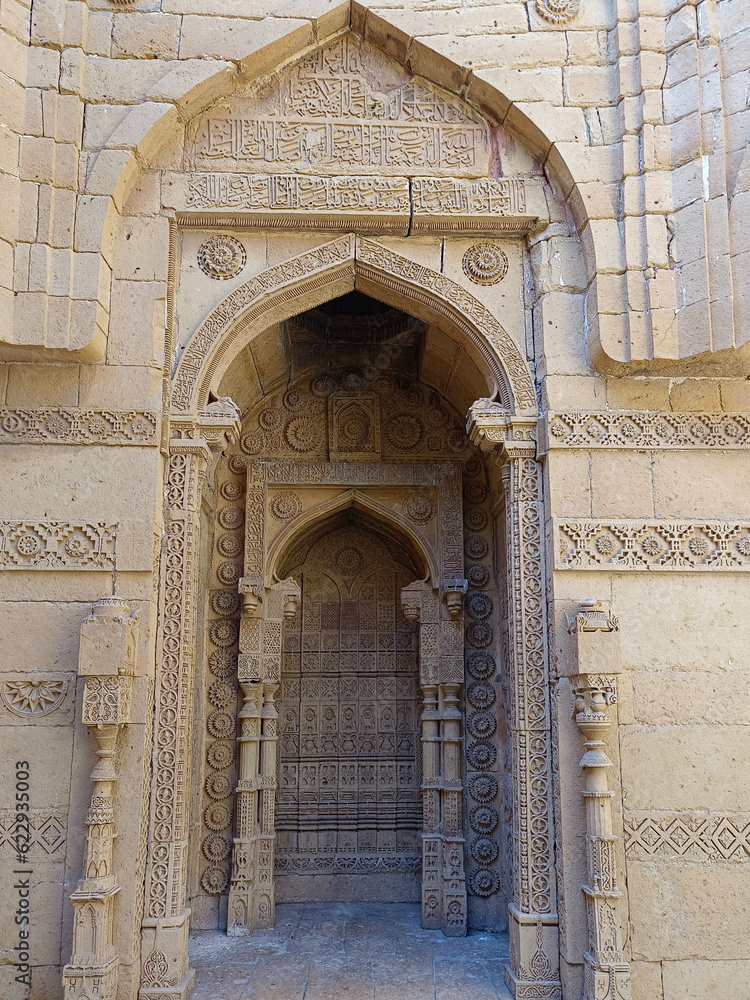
x=351 y=505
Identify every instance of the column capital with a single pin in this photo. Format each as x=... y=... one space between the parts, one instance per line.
x=491 y=428
x=210 y=430
x=594 y=641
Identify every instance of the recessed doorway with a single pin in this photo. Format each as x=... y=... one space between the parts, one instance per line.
x=349 y=797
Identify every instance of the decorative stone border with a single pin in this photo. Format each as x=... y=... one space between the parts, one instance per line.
x=48 y=831
x=687 y=835
x=638 y=429
x=630 y=544
x=57 y=545
x=63 y=425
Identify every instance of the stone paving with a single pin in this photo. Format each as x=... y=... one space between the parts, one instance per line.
x=348 y=951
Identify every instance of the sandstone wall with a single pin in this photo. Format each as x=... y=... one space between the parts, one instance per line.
x=632 y=302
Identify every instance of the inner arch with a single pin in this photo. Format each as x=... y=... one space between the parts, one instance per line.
x=355 y=330
x=349 y=801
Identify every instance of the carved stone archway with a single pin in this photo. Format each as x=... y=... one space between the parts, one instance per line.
x=534 y=963
x=196 y=426
x=441 y=666
x=333 y=269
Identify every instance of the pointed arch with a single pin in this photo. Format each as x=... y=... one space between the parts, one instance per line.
x=323 y=516
x=335 y=268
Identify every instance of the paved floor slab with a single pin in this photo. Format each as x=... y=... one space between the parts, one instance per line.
x=348 y=951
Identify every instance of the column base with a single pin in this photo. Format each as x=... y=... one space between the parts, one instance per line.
x=432 y=883
x=605 y=982
x=165 y=966
x=91 y=982
x=534 y=969
x=178 y=992
x=532 y=989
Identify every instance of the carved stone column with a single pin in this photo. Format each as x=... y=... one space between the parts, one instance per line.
x=251 y=891
x=107 y=661
x=165 y=970
x=441 y=675
x=597 y=658
x=534 y=968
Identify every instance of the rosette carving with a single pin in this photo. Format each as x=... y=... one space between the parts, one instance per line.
x=222 y=257
x=484 y=263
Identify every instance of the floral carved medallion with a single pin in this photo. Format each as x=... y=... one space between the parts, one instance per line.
x=222 y=257
x=485 y=264
x=557 y=11
x=33 y=698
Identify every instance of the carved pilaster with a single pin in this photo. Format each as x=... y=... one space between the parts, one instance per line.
x=441 y=675
x=107 y=662
x=454 y=879
x=534 y=951
x=594 y=630
x=165 y=970
x=251 y=891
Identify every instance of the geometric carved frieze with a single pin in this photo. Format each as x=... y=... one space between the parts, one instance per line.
x=349 y=798
x=697 y=835
x=47 y=831
x=63 y=425
x=634 y=544
x=652 y=430
x=57 y=545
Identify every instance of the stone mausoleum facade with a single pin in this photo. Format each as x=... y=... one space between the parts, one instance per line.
x=375 y=479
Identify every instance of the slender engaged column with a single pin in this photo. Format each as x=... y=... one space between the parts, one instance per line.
x=107 y=661
x=454 y=878
x=594 y=630
x=432 y=896
x=420 y=604
x=251 y=890
x=441 y=675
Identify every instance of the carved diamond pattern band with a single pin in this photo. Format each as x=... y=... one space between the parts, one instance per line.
x=687 y=835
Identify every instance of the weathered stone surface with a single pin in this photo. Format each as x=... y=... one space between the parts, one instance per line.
x=703 y=762
x=695 y=979
x=547 y=206
x=708 y=929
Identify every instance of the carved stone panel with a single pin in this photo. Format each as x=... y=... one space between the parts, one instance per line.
x=344 y=109
x=354 y=427
x=349 y=800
